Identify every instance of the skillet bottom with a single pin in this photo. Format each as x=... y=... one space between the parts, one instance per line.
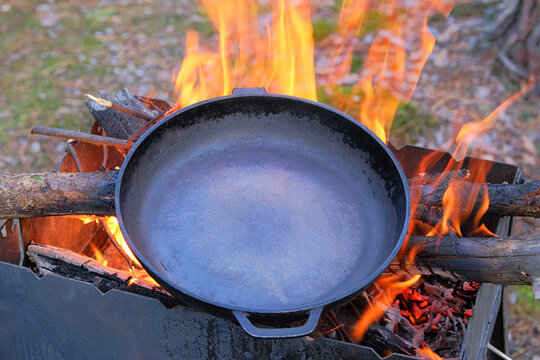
x=264 y=228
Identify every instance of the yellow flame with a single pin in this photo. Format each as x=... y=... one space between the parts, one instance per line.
x=279 y=58
x=457 y=205
x=98 y=255
x=112 y=224
x=394 y=62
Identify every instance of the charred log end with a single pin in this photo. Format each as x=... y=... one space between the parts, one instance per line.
x=50 y=259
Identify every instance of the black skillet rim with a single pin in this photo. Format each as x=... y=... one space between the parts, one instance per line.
x=212 y=306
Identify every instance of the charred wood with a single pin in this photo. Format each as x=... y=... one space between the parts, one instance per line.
x=509 y=260
x=504 y=199
x=384 y=340
x=119 y=124
x=50 y=259
x=112 y=105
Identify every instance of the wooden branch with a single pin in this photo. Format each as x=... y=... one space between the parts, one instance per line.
x=51 y=259
x=510 y=260
x=92 y=194
x=77 y=135
x=48 y=194
x=155 y=104
x=504 y=199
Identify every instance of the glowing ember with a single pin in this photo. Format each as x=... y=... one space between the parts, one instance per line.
x=428 y=354
x=391 y=287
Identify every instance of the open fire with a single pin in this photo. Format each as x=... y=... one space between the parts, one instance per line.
x=272 y=46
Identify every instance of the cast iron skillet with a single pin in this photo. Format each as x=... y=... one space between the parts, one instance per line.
x=261 y=204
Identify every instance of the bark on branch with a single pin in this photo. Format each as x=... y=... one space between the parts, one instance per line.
x=504 y=199
x=49 y=194
x=510 y=260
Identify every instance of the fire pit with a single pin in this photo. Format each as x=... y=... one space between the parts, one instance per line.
x=183 y=330
x=441 y=294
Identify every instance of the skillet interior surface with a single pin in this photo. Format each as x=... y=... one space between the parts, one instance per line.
x=262 y=203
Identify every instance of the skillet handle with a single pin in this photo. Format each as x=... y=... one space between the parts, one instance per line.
x=249 y=91
x=258 y=332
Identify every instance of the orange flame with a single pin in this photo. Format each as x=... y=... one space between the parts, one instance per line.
x=280 y=58
x=390 y=288
x=98 y=255
x=428 y=354
x=458 y=208
x=86 y=219
x=452 y=218
x=394 y=62
x=112 y=224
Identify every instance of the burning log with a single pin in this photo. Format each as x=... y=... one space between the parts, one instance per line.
x=119 y=124
x=51 y=259
x=505 y=261
x=509 y=260
x=112 y=105
x=48 y=194
x=504 y=199
x=93 y=193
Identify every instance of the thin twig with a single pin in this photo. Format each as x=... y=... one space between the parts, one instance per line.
x=159 y=105
x=339 y=327
x=77 y=135
x=131 y=263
